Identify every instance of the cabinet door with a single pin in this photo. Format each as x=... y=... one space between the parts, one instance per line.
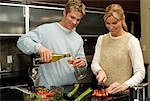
x=12 y=20
x=40 y=16
x=92 y=24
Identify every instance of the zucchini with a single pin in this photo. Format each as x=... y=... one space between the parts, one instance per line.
x=83 y=94
x=76 y=87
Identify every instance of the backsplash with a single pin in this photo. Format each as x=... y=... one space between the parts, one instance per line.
x=9 y=54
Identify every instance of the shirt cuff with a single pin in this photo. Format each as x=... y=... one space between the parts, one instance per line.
x=95 y=68
x=128 y=83
x=38 y=45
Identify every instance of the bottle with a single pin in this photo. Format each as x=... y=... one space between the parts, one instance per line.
x=55 y=57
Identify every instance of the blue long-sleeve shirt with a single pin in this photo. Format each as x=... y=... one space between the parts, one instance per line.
x=59 y=40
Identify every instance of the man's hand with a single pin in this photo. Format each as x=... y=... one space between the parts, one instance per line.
x=79 y=62
x=101 y=77
x=45 y=54
x=117 y=87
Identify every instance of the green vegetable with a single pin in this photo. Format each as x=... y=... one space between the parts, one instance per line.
x=76 y=87
x=83 y=94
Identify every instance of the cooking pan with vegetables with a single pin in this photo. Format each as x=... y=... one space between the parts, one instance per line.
x=92 y=92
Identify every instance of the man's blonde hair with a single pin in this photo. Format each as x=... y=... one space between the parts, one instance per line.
x=75 y=4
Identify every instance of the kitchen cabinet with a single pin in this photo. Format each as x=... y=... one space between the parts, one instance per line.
x=40 y=15
x=12 y=21
x=17 y=19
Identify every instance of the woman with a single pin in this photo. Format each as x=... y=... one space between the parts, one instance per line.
x=118 y=59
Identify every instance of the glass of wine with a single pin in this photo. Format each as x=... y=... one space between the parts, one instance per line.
x=78 y=73
x=33 y=73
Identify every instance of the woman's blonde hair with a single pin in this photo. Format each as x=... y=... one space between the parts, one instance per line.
x=75 y=4
x=117 y=11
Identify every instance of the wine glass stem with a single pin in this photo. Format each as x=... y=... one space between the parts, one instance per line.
x=78 y=71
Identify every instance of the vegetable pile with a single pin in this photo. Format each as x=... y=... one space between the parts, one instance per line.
x=44 y=94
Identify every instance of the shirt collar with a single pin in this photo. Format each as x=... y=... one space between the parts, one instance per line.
x=118 y=37
x=65 y=29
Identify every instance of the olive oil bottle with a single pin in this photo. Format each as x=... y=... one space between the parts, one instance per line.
x=55 y=57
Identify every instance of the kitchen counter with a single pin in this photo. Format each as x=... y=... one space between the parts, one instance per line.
x=89 y=97
x=15 y=95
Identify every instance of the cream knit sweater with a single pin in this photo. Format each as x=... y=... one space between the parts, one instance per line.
x=115 y=59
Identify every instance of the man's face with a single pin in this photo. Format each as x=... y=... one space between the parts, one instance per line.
x=72 y=19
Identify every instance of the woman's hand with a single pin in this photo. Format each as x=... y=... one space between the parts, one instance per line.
x=101 y=77
x=117 y=87
x=45 y=54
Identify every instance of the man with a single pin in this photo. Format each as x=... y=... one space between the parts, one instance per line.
x=58 y=37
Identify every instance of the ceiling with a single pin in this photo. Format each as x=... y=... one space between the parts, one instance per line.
x=128 y=5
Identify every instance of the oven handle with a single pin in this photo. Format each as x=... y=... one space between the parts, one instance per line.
x=21 y=89
x=23 y=85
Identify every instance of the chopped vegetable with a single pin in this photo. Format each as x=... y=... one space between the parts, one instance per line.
x=76 y=87
x=83 y=94
x=100 y=92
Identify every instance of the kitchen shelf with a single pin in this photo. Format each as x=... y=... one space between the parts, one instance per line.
x=7 y=35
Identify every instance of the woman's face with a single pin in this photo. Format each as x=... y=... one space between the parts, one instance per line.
x=114 y=25
x=72 y=19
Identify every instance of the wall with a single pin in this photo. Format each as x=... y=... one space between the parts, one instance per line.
x=145 y=36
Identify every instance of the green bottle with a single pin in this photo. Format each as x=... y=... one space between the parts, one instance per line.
x=55 y=57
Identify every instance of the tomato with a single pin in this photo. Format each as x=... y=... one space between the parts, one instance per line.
x=106 y=92
x=103 y=92
x=49 y=94
x=94 y=93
